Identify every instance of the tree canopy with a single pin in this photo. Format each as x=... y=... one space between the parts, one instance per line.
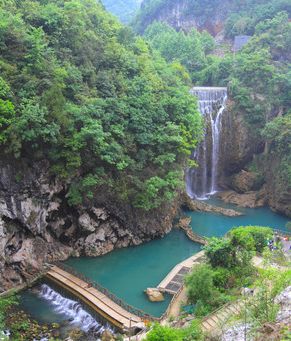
x=81 y=90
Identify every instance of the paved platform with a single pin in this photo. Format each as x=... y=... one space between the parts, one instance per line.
x=174 y=281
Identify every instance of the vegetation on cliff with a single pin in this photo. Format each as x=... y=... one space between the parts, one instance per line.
x=79 y=89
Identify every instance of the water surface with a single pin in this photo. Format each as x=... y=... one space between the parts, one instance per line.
x=128 y=272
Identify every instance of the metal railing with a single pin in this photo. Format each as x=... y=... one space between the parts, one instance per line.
x=107 y=293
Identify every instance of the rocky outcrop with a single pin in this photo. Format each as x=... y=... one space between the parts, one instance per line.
x=244 y=181
x=241 y=147
x=249 y=199
x=284 y=300
x=200 y=206
x=37 y=225
x=238 y=144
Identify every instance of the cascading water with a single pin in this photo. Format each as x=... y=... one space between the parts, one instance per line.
x=73 y=310
x=202 y=182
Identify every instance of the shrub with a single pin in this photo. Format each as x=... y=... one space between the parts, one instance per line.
x=200 y=284
x=163 y=333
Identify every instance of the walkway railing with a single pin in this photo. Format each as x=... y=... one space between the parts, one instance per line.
x=107 y=293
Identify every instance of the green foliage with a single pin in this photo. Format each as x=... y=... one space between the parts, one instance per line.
x=5 y=303
x=220 y=252
x=190 y=49
x=201 y=290
x=165 y=333
x=244 y=20
x=251 y=238
x=79 y=89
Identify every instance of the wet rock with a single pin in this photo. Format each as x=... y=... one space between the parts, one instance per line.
x=196 y=205
x=154 y=295
x=184 y=222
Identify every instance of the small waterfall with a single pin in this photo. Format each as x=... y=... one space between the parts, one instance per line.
x=202 y=182
x=73 y=310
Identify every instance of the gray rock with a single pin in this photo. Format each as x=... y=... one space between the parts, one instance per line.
x=87 y=223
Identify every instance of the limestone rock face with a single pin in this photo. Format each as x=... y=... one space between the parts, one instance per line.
x=87 y=223
x=154 y=295
x=244 y=181
x=180 y=15
x=37 y=225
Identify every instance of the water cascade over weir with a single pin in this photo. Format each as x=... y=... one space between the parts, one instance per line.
x=73 y=310
x=202 y=182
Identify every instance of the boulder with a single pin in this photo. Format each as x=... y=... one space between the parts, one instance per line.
x=154 y=295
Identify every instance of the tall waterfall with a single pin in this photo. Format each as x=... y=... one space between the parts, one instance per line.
x=73 y=310
x=202 y=182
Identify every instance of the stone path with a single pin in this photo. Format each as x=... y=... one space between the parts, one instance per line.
x=216 y=320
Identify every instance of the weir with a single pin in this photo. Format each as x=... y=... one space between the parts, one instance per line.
x=119 y=314
x=202 y=182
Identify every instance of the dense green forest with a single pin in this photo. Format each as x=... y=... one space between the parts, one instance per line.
x=79 y=89
x=123 y=9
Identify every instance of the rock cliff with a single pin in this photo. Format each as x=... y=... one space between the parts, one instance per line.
x=246 y=168
x=183 y=14
x=37 y=225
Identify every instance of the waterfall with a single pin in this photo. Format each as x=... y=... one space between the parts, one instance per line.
x=73 y=310
x=202 y=182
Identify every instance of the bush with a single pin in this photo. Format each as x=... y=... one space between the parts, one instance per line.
x=200 y=284
x=161 y=333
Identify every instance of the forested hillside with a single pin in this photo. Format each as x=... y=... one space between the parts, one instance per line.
x=125 y=10
x=81 y=91
x=237 y=16
x=258 y=76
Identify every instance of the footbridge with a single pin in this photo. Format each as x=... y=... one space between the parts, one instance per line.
x=118 y=313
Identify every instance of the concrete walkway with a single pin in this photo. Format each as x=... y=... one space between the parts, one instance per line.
x=174 y=281
x=98 y=301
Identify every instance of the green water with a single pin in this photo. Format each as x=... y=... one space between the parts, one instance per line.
x=128 y=272
x=209 y=225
